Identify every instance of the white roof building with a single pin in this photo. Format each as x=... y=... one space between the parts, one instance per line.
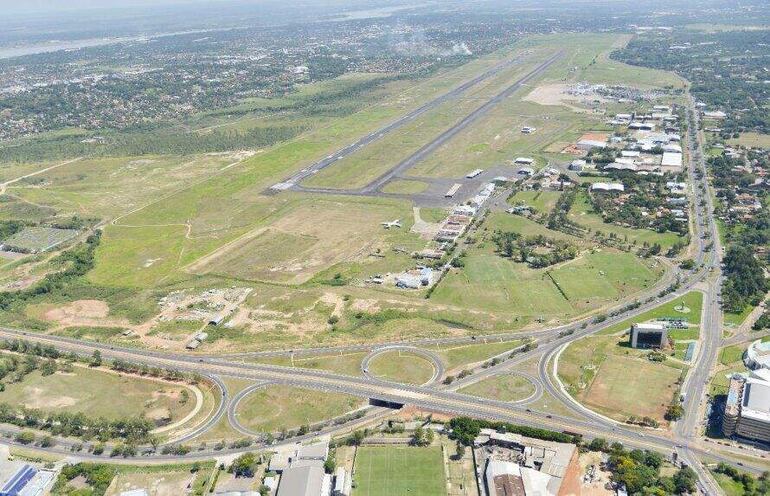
x=304 y=480
x=524 y=160
x=714 y=114
x=671 y=159
x=608 y=187
x=621 y=166
x=757 y=356
x=756 y=400
x=587 y=144
x=504 y=478
x=342 y=483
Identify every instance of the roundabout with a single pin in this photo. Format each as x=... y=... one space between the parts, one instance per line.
x=381 y=366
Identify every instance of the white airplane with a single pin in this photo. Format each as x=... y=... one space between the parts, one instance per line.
x=393 y=223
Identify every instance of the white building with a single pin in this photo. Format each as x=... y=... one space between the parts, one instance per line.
x=588 y=144
x=343 y=483
x=621 y=166
x=747 y=409
x=757 y=356
x=617 y=187
x=671 y=159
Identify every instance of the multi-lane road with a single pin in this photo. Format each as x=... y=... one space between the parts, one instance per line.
x=685 y=438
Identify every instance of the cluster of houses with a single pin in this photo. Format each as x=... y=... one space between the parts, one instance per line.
x=746 y=201
x=511 y=464
x=675 y=204
x=742 y=182
x=548 y=178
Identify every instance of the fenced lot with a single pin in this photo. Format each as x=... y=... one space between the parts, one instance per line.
x=398 y=471
x=37 y=239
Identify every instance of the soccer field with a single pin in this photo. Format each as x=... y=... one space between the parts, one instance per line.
x=399 y=470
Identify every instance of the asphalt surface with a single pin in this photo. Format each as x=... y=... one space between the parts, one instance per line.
x=427 y=149
x=293 y=181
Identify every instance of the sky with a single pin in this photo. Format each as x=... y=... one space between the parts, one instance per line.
x=49 y=6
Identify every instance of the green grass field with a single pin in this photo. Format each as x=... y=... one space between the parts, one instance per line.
x=603 y=275
x=756 y=140
x=492 y=283
x=728 y=485
x=399 y=471
x=542 y=201
x=433 y=214
x=731 y=355
x=583 y=214
x=405 y=187
x=401 y=366
x=506 y=387
x=348 y=364
x=458 y=356
x=84 y=391
x=736 y=319
x=646 y=392
x=273 y=408
x=692 y=300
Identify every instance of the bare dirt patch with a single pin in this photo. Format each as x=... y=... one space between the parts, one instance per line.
x=593 y=482
x=39 y=399
x=558 y=94
x=426 y=230
x=78 y=311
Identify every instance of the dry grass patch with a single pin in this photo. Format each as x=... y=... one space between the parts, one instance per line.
x=307 y=240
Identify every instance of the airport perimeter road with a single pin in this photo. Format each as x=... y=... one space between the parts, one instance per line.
x=427 y=149
x=294 y=180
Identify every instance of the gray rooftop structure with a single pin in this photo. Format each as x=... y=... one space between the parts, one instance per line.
x=303 y=480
